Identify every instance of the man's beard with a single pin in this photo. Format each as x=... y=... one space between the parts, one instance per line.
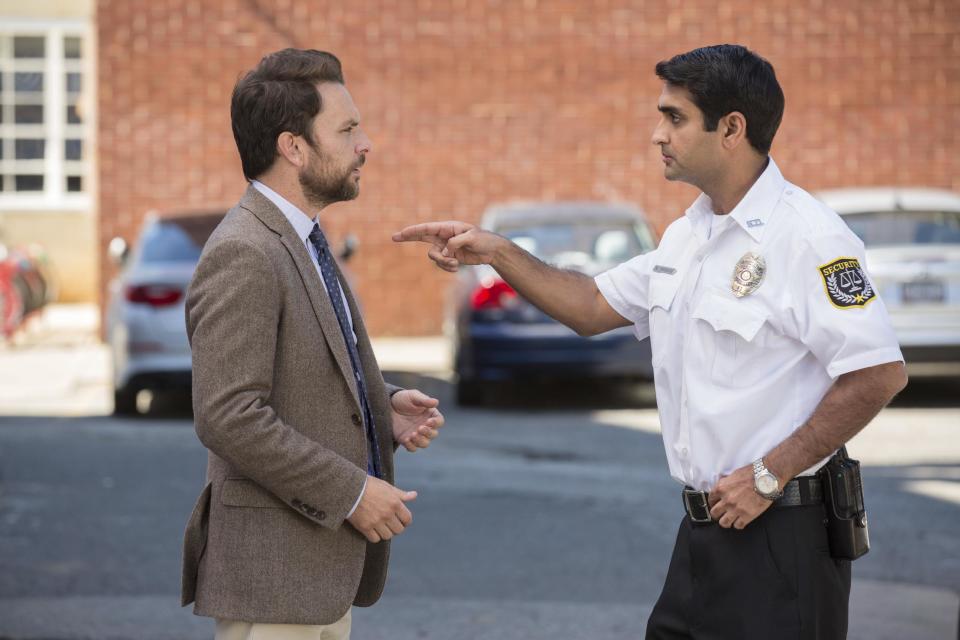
x=322 y=186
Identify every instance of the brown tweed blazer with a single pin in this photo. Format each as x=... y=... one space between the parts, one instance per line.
x=276 y=405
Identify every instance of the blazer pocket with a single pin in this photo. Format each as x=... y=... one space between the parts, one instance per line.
x=242 y=492
x=194 y=544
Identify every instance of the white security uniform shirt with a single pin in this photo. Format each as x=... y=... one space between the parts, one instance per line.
x=736 y=376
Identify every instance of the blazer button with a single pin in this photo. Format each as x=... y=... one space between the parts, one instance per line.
x=356 y=419
x=321 y=515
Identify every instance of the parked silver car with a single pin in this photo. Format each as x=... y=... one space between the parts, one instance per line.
x=145 y=325
x=912 y=239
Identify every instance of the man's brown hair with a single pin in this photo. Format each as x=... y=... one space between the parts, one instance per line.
x=279 y=95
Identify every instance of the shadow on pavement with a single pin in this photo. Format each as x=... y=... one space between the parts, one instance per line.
x=929 y=393
x=537 y=395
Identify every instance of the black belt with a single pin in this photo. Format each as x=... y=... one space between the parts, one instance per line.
x=798 y=492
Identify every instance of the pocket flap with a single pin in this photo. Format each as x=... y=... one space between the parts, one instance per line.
x=728 y=314
x=663 y=289
x=241 y=492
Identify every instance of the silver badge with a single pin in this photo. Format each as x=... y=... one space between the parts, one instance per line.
x=748 y=274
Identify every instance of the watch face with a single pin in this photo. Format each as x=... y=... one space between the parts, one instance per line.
x=767 y=484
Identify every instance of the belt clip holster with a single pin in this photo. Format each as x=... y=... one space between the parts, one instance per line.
x=843 y=500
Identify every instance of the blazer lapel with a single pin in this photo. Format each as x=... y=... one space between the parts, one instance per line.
x=260 y=206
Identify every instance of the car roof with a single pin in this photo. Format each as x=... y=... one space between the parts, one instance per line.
x=534 y=212
x=870 y=199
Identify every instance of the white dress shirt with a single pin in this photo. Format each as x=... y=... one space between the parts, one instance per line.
x=735 y=377
x=303 y=225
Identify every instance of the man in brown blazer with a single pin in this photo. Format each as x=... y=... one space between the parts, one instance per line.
x=293 y=525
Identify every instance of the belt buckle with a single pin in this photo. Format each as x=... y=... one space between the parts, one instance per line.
x=699 y=512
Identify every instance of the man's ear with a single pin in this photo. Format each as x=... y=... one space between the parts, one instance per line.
x=291 y=148
x=733 y=129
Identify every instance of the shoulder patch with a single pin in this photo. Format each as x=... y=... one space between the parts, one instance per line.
x=846 y=284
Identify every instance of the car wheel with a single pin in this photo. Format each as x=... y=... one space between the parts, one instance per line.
x=125 y=402
x=470 y=393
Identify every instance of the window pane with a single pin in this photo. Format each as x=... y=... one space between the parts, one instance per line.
x=28 y=183
x=71 y=48
x=28 y=113
x=28 y=47
x=73 y=149
x=74 y=183
x=29 y=149
x=32 y=81
x=73 y=115
x=73 y=82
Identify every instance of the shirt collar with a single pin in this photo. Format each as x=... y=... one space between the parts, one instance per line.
x=302 y=224
x=753 y=210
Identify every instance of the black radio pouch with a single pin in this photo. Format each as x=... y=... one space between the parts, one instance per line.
x=843 y=500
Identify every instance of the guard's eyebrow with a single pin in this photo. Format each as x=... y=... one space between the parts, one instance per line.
x=670 y=111
x=349 y=122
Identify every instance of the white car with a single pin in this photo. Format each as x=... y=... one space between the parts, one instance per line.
x=912 y=239
x=145 y=325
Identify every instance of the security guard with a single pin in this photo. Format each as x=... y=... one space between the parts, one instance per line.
x=771 y=349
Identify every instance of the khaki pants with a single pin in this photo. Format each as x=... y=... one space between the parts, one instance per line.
x=235 y=630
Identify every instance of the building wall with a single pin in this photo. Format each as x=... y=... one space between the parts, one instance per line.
x=68 y=235
x=474 y=102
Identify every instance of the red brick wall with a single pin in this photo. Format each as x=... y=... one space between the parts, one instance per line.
x=471 y=102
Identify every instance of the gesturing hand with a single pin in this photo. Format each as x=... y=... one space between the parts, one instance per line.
x=381 y=513
x=734 y=501
x=416 y=419
x=453 y=243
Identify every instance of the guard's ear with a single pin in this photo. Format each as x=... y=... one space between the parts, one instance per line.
x=291 y=148
x=733 y=129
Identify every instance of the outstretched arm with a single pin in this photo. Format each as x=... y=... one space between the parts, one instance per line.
x=568 y=296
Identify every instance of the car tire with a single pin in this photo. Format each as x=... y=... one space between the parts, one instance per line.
x=470 y=393
x=125 y=402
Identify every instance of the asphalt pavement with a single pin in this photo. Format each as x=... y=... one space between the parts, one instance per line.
x=550 y=515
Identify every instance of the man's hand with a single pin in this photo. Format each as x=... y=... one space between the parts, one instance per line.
x=453 y=243
x=734 y=502
x=382 y=513
x=416 y=419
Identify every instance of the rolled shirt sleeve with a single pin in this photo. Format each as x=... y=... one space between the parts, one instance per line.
x=626 y=289
x=836 y=308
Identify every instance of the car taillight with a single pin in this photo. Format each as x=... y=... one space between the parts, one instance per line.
x=492 y=294
x=155 y=295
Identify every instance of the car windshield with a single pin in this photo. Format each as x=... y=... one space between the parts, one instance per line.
x=581 y=244
x=886 y=228
x=176 y=239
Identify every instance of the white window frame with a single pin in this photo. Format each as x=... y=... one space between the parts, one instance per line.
x=56 y=130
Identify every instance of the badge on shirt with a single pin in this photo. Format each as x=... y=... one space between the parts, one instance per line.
x=748 y=274
x=846 y=284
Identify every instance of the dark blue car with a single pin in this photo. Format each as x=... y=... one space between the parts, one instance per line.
x=499 y=336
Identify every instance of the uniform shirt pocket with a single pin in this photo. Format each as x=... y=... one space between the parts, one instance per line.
x=729 y=332
x=663 y=291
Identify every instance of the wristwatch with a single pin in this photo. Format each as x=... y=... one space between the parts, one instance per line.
x=764 y=482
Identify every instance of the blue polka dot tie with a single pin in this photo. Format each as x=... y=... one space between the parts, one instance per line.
x=325 y=260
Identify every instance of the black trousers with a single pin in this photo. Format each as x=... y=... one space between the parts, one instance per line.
x=773 y=579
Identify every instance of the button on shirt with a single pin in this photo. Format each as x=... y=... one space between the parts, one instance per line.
x=735 y=377
x=303 y=226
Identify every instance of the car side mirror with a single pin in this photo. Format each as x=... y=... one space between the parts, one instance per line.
x=350 y=246
x=118 y=250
